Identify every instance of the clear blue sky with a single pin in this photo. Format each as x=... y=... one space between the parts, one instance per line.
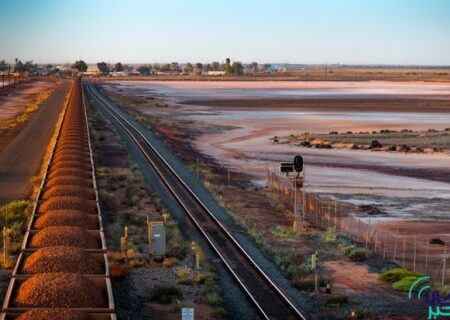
x=295 y=31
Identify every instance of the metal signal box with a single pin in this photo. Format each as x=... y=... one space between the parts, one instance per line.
x=157 y=238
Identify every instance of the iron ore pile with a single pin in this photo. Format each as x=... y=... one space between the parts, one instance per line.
x=62 y=271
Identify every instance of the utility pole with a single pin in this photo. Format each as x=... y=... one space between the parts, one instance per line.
x=295 y=197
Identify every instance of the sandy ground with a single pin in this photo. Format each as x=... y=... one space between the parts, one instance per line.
x=14 y=103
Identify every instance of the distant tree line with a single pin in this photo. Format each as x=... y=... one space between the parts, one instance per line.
x=235 y=68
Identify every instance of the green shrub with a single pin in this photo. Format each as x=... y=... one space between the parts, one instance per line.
x=219 y=313
x=137 y=263
x=359 y=254
x=329 y=236
x=176 y=246
x=17 y=212
x=283 y=232
x=306 y=285
x=437 y=241
x=444 y=290
x=213 y=298
x=397 y=274
x=15 y=248
x=363 y=315
x=166 y=294
x=404 y=284
x=337 y=300
x=292 y=263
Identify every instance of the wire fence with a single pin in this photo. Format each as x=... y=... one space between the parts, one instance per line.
x=11 y=80
x=424 y=255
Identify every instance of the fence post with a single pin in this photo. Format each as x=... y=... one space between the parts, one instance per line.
x=350 y=230
x=367 y=234
x=395 y=249
x=335 y=216
x=385 y=245
x=376 y=236
x=443 y=265
x=415 y=248
x=404 y=249
x=304 y=202
x=426 y=257
x=358 y=230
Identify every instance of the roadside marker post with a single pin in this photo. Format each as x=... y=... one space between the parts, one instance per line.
x=194 y=260
x=315 y=265
x=124 y=244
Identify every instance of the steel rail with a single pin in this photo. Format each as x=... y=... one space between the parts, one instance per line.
x=126 y=125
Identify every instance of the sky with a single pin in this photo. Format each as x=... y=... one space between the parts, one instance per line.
x=405 y=32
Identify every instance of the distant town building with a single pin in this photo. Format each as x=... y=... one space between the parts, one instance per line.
x=215 y=73
x=92 y=71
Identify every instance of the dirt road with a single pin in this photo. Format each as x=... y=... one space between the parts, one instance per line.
x=21 y=158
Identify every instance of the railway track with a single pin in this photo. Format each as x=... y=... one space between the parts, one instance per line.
x=268 y=299
x=62 y=270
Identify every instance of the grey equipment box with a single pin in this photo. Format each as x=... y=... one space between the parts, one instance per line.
x=157 y=238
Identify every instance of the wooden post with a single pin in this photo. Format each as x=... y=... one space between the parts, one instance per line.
x=385 y=245
x=228 y=177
